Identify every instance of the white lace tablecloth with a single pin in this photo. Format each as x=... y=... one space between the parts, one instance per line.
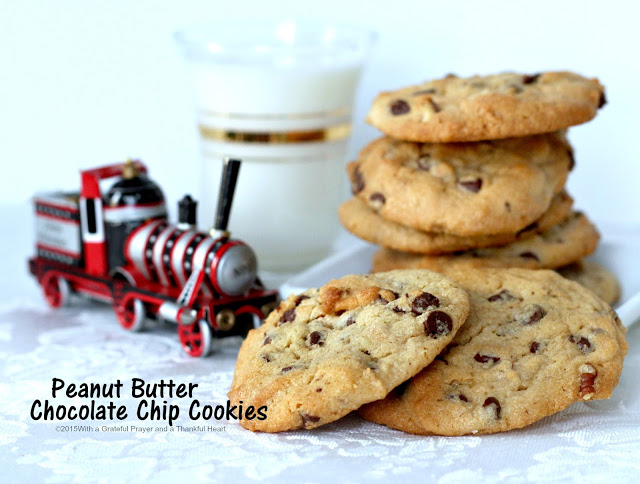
x=589 y=442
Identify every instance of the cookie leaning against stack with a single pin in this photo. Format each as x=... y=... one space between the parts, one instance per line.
x=411 y=349
x=472 y=173
x=324 y=353
x=533 y=344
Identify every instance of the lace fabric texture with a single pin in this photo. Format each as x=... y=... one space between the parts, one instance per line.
x=589 y=442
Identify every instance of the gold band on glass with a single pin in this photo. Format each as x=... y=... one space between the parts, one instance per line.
x=332 y=133
x=336 y=113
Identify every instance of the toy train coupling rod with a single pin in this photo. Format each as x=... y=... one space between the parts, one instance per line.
x=230 y=170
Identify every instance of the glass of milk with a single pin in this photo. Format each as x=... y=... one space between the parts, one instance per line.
x=279 y=96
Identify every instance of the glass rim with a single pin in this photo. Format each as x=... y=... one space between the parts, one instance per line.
x=267 y=38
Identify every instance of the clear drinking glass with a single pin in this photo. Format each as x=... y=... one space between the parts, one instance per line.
x=279 y=96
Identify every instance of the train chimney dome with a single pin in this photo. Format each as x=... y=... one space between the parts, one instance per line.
x=130 y=202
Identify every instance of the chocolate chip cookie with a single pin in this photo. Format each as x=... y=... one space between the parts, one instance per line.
x=595 y=278
x=487 y=107
x=324 y=353
x=464 y=189
x=534 y=343
x=558 y=246
x=361 y=220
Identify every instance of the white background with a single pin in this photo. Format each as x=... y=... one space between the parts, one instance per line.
x=87 y=83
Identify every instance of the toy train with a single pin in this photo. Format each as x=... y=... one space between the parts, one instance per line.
x=120 y=248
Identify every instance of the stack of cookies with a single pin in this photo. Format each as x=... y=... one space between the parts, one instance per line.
x=471 y=173
x=473 y=351
x=469 y=183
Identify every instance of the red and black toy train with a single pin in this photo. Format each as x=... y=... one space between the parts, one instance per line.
x=121 y=249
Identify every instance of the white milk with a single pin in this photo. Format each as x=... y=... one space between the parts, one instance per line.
x=288 y=192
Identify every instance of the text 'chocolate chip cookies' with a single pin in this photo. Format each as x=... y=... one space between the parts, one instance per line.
x=534 y=343
x=324 y=353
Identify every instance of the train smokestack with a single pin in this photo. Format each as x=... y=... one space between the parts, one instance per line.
x=230 y=170
x=187 y=213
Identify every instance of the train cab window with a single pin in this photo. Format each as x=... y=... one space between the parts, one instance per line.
x=92 y=226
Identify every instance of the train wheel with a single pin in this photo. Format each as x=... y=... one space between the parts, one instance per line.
x=131 y=314
x=195 y=338
x=225 y=320
x=246 y=322
x=56 y=291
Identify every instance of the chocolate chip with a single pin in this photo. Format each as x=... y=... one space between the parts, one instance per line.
x=486 y=358
x=423 y=302
x=438 y=324
x=572 y=160
x=441 y=358
x=531 y=226
x=378 y=198
x=357 y=182
x=503 y=295
x=288 y=316
x=315 y=338
x=472 y=185
x=531 y=314
x=400 y=389
x=398 y=310
x=399 y=107
x=493 y=401
x=583 y=344
x=602 y=100
x=530 y=79
x=534 y=347
x=424 y=91
x=463 y=398
x=266 y=358
x=436 y=108
x=267 y=341
x=318 y=390
x=350 y=321
x=306 y=418
x=529 y=255
x=286 y=369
